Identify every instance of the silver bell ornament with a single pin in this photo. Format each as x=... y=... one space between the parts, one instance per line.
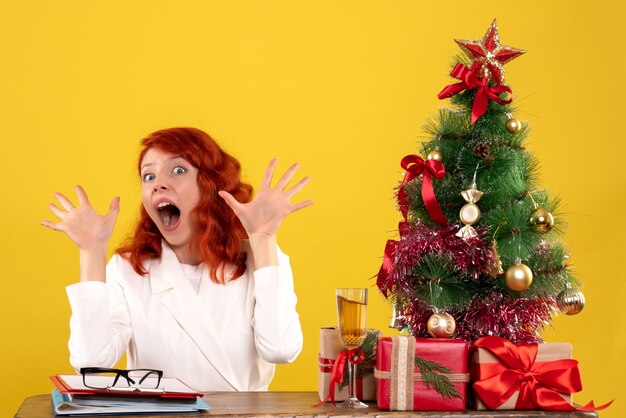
x=396 y=313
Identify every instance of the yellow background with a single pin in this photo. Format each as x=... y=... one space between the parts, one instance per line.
x=342 y=87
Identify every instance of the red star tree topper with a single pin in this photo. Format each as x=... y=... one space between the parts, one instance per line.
x=489 y=55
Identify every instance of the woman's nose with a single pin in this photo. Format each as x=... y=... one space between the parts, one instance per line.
x=159 y=187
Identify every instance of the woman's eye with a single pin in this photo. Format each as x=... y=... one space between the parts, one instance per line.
x=148 y=177
x=179 y=170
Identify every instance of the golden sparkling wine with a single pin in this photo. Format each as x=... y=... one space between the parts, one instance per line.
x=351 y=312
x=352 y=316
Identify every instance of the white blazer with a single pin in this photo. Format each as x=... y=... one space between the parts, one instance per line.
x=223 y=338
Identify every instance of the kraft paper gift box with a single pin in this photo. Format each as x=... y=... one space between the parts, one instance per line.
x=399 y=384
x=490 y=357
x=330 y=347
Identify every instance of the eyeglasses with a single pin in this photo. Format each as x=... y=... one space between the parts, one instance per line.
x=141 y=380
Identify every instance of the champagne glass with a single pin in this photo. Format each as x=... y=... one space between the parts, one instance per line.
x=351 y=312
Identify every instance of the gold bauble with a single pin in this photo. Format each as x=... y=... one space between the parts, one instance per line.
x=570 y=301
x=513 y=125
x=518 y=277
x=435 y=155
x=470 y=214
x=441 y=325
x=542 y=220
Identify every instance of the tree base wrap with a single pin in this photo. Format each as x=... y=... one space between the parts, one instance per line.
x=330 y=347
x=483 y=365
x=398 y=382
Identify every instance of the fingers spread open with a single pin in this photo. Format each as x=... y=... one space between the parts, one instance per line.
x=286 y=178
x=64 y=201
x=51 y=225
x=297 y=187
x=301 y=205
x=115 y=204
x=82 y=196
x=230 y=200
x=269 y=173
x=114 y=208
x=58 y=212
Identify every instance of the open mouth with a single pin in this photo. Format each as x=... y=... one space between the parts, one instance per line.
x=169 y=213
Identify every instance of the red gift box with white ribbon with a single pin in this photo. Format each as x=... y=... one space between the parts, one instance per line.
x=400 y=385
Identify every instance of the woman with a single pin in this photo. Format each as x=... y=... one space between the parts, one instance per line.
x=201 y=291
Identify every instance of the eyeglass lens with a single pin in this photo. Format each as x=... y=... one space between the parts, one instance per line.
x=148 y=379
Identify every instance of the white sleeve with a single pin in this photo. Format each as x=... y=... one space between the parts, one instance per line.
x=277 y=331
x=100 y=326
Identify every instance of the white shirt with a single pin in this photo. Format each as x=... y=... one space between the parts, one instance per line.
x=194 y=275
x=220 y=338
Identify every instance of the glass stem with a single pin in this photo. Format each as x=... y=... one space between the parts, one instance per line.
x=351 y=380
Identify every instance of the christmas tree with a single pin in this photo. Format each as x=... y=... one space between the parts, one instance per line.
x=478 y=250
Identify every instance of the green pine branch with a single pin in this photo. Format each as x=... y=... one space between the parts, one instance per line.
x=439 y=282
x=434 y=376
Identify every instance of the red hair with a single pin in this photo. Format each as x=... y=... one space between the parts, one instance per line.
x=218 y=235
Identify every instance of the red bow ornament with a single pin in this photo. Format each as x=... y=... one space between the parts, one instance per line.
x=414 y=166
x=540 y=384
x=382 y=280
x=383 y=274
x=484 y=93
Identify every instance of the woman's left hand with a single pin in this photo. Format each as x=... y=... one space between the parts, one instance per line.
x=264 y=214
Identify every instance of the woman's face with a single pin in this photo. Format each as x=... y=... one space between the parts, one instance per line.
x=169 y=193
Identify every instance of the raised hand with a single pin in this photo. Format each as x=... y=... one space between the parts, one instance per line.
x=264 y=214
x=88 y=229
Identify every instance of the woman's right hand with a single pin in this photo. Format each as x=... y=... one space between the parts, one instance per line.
x=88 y=229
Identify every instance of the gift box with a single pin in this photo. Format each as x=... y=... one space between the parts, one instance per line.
x=330 y=347
x=402 y=386
x=523 y=376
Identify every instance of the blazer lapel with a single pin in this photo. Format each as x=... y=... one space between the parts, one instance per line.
x=181 y=301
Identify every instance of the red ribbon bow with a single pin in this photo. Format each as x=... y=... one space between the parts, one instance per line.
x=414 y=166
x=354 y=356
x=388 y=259
x=539 y=383
x=469 y=80
x=383 y=274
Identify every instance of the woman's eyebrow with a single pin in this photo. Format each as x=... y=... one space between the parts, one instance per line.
x=170 y=158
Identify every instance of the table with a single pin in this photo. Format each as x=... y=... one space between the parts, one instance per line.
x=293 y=404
